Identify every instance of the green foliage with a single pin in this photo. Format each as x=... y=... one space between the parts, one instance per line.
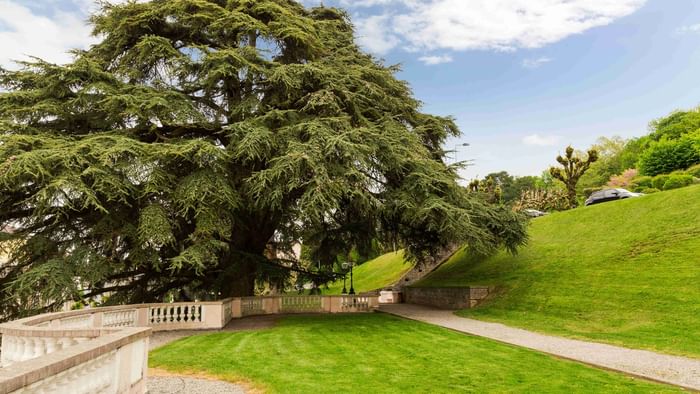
x=643 y=181
x=348 y=354
x=658 y=181
x=677 y=181
x=199 y=140
x=545 y=200
x=628 y=253
x=665 y=156
x=573 y=167
x=649 y=190
x=676 y=125
x=694 y=171
x=609 y=162
x=511 y=186
x=624 y=180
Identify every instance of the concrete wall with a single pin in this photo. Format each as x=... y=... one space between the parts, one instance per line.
x=446 y=297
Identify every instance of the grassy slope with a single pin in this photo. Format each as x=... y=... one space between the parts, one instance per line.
x=625 y=272
x=378 y=353
x=374 y=274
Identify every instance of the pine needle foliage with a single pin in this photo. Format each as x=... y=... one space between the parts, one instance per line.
x=197 y=136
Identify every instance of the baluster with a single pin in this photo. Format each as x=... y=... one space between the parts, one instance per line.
x=50 y=345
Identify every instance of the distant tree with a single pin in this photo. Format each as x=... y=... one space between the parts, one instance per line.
x=609 y=162
x=511 y=186
x=675 y=125
x=542 y=200
x=573 y=167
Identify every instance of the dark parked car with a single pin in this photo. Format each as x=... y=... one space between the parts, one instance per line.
x=609 y=195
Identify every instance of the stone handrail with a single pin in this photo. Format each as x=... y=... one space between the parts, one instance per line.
x=105 y=349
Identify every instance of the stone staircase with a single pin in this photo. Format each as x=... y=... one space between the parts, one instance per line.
x=420 y=270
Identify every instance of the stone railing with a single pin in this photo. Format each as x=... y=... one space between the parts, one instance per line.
x=106 y=349
x=306 y=304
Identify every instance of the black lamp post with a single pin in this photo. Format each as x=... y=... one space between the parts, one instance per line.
x=345 y=266
x=345 y=290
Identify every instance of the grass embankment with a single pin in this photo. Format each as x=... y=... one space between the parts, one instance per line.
x=377 y=353
x=625 y=272
x=383 y=271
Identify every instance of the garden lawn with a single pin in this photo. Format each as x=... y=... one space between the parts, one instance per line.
x=624 y=272
x=378 y=353
x=383 y=271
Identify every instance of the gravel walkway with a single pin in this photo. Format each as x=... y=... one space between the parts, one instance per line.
x=675 y=370
x=187 y=385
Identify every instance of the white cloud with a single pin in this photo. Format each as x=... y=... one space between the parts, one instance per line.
x=374 y=35
x=435 y=59
x=689 y=29
x=502 y=25
x=26 y=33
x=540 y=140
x=536 y=62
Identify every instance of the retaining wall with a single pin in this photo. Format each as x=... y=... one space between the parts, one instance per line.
x=446 y=297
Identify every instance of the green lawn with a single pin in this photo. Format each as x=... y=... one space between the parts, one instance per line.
x=383 y=271
x=378 y=353
x=624 y=272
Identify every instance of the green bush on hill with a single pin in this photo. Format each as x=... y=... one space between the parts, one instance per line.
x=677 y=181
x=666 y=156
x=694 y=171
x=649 y=190
x=643 y=181
x=659 y=181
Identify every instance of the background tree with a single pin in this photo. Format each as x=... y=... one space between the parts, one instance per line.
x=512 y=186
x=609 y=163
x=573 y=167
x=201 y=139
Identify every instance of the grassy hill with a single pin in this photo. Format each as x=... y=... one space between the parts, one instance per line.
x=374 y=274
x=624 y=272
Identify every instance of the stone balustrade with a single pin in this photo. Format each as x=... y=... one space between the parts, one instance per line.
x=106 y=349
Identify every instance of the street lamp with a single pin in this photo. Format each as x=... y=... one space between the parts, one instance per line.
x=345 y=267
x=345 y=290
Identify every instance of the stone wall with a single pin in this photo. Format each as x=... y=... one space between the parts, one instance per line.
x=446 y=297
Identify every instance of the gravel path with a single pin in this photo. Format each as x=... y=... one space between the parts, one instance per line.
x=675 y=370
x=187 y=385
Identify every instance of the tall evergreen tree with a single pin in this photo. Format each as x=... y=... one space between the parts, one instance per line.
x=201 y=137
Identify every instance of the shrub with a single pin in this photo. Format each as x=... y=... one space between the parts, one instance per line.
x=694 y=171
x=542 y=200
x=650 y=190
x=678 y=181
x=658 y=181
x=624 y=179
x=642 y=181
x=669 y=155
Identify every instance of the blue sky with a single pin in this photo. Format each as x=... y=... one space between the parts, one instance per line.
x=523 y=78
